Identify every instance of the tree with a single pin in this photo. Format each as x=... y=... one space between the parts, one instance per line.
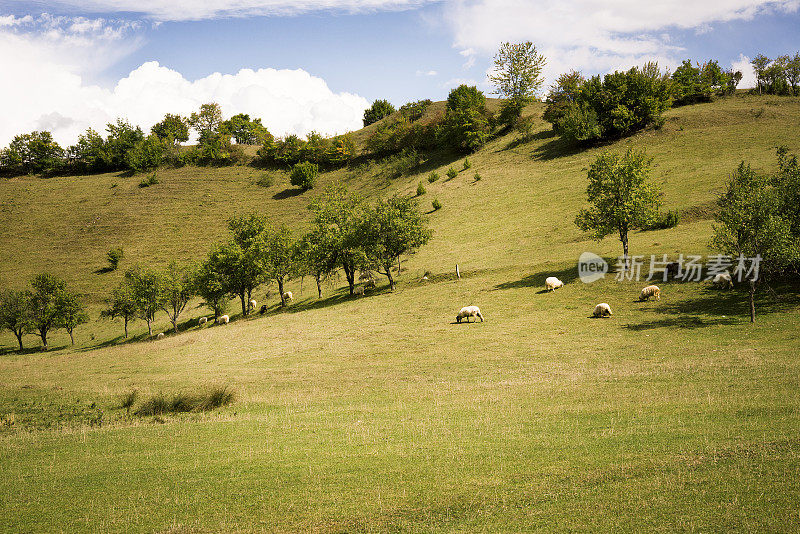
x=208 y=120
x=304 y=175
x=122 y=304
x=145 y=286
x=35 y=152
x=378 y=110
x=390 y=229
x=465 y=126
x=240 y=262
x=71 y=313
x=563 y=93
x=278 y=257
x=177 y=289
x=146 y=154
x=122 y=137
x=760 y=64
x=754 y=221
x=173 y=129
x=114 y=256
x=48 y=291
x=246 y=131
x=517 y=76
x=793 y=73
x=621 y=197
x=88 y=154
x=15 y=313
x=337 y=217
x=316 y=256
x=209 y=283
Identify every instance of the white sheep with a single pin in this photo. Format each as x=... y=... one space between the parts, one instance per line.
x=160 y=335
x=223 y=319
x=723 y=280
x=202 y=321
x=602 y=310
x=467 y=312
x=288 y=296
x=552 y=283
x=359 y=291
x=253 y=304
x=369 y=284
x=650 y=291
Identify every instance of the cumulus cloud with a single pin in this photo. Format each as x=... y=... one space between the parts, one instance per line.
x=748 y=73
x=172 y=10
x=594 y=37
x=44 y=85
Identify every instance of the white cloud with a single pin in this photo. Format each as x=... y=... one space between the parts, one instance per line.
x=206 y=9
x=748 y=73
x=44 y=72
x=591 y=36
x=427 y=73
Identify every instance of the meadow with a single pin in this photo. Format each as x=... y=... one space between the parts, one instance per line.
x=382 y=414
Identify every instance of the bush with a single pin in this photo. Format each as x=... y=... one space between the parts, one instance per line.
x=432 y=177
x=414 y=111
x=436 y=204
x=150 y=180
x=510 y=111
x=378 y=110
x=467 y=164
x=146 y=154
x=664 y=221
x=127 y=400
x=114 y=256
x=266 y=180
x=477 y=177
x=451 y=173
x=304 y=175
x=421 y=189
x=403 y=163
x=465 y=127
x=160 y=404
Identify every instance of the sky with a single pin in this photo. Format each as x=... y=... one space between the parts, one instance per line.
x=303 y=65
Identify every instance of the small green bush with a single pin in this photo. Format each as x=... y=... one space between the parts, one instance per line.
x=421 y=189
x=432 y=177
x=304 y=175
x=451 y=173
x=477 y=177
x=150 y=180
x=266 y=180
x=665 y=221
x=415 y=110
x=114 y=256
x=467 y=164
x=436 y=204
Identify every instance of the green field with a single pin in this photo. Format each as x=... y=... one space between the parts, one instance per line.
x=381 y=414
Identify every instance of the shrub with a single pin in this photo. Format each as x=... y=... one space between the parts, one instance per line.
x=150 y=180
x=390 y=136
x=146 y=154
x=414 y=111
x=432 y=177
x=160 y=404
x=304 y=175
x=127 y=400
x=664 y=221
x=465 y=127
x=403 y=163
x=477 y=177
x=266 y=180
x=114 y=256
x=378 y=110
x=451 y=173
x=436 y=204
x=510 y=111
x=421 y=189
x=467 y=164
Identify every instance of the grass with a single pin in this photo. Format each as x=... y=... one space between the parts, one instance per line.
x=379 y=413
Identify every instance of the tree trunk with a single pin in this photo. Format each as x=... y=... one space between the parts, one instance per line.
x=752 y=301
x=280 y=290
x=149 y=327
x=350 y=274
x=43 y=335
x=126 y=327
x=19 y=339
x=243 y=298
x=71 y=339
x=175 y=324
x=623 y=236
x=319 y=286
x=388 y=274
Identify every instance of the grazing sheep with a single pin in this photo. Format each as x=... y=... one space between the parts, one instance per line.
x=369 y=284
x=263 y=309
x=672 y=269
x=160 y=335
x=552 y=283
x=602 y=310
x=253 y=304
x=467 y=312
x=223 y=319
x=723 y=281
x=288 y=296
x=202 y=321
x=650 y=291
x=359 y=291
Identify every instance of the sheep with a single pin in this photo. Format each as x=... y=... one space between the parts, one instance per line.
x=160 y=335
x=223 y=319
x=359 y=291
x=602 y=310
x=288 y=296
x=263 y=309
x=552 y=283
x=202 y=321
x=650 y=291
x=467 y=312
x=369 y=284
x=723 y=281
x=253 y=304
x=672 y=269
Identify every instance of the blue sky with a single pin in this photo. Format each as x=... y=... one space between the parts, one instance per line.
x=73 y=64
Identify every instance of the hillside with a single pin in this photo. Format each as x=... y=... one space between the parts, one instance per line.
x=380 y=413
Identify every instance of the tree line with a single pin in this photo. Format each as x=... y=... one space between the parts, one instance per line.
x=347 y=233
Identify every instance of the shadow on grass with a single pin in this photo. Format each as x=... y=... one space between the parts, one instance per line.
x=4 y=351
x=289 y=192
x=538 y=136
x=566 y=275
x=104 y=270
x=720 y=307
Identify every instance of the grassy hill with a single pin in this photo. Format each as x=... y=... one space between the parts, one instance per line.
x=379 y=414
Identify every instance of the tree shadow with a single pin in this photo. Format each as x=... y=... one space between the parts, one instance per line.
x=289 y=192
x=4 y=351
x=557 y=148
x=566 y=275
x=104 y=270
x=523 y=140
